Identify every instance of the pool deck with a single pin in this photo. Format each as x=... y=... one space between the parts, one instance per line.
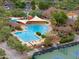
x=28 y=43
x=32 y=42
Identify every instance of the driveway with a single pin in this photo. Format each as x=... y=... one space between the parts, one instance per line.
x=11 y=53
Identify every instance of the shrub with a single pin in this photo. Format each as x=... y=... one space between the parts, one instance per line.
x=33 y=4
x=48 y=42
x=47 y=22
x=36 y=13
x=30 y=58
x=17 y=12
x=67 y=38
x=18 y=27
x=38 y=33
x=60 y=17
x=2 y=52
x=15 y=44
x=43 y=36
x=43 y=5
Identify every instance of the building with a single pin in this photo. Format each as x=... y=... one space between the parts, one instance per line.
x=72 y=15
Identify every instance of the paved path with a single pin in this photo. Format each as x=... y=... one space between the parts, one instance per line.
x=11 y=53
x=76 y=38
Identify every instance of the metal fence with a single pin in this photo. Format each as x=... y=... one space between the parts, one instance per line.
x=54 y=48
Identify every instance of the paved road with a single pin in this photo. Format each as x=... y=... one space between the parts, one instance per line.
x=12 y=54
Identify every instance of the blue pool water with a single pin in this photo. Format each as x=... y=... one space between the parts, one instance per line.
x=13 y=19
x=31 y=29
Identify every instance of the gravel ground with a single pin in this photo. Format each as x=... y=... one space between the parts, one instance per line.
x=11 y=53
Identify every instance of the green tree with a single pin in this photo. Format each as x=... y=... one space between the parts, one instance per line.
x=33 y=4
x=35 y=13
x=2 y=11
x=21 y=48
x=30 y=58
x=2 y=52
x=11 y=41
x=53 y=21
x=1 y=2
x=60 y=17
x=19 y=3
x=4 y=33
x=17 y=12
x=67 y=38
x=66 y=4
x=14 y=43
x=3 y=22
x=76 y=25
x=43 y=5
x=38 y=33
x=8 y=13
x=4 y=29
x=2 y=38
x=48 y=41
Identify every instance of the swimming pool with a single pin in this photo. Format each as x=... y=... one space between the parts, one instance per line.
x=31 y=29
x=63 y=53
x=13 y=19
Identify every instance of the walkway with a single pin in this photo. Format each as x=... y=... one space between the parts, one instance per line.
x=11 y=53
x=76 y=38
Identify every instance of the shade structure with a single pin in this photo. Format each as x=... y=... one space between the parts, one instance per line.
x=22 y=21
x=72 y=16
x=37 y=19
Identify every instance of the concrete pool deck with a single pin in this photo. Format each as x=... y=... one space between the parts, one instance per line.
x=32 y=42
x=35 y=19
x=28 y=43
